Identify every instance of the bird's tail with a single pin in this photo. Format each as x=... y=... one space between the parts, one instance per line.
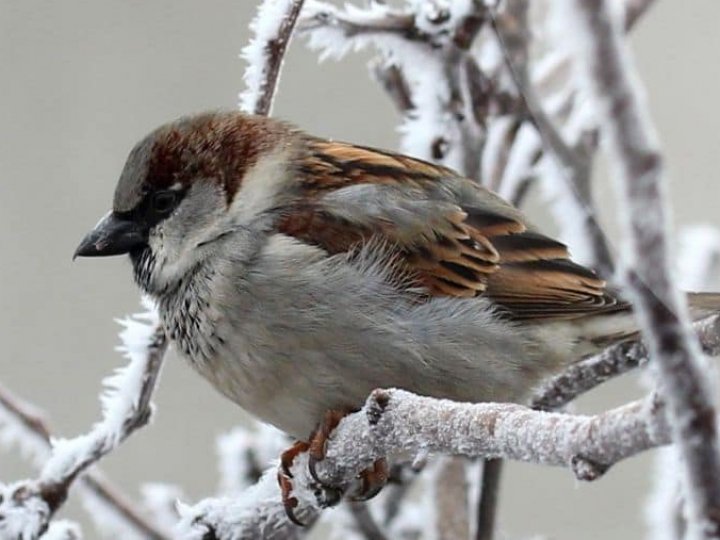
x=703 y=304
x=591 y=335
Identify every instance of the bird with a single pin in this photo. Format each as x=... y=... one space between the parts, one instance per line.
x=297 y=274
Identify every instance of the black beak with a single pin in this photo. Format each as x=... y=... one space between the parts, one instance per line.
x=112 y=236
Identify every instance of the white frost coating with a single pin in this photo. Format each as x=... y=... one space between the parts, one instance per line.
x=519 y=166
x=664 y=513
x=601 y=106
x=119 y=398
x=105 y=517
x=498 y=130
x=699 y=258
x=162 y=500
x=427 y=12
x=636 y=161
x=121 y=394
x=341 y=524
x=331 y=40
x=424 y=72
x=13 y=432
x=698 y=266
x=241 y=451
x=258 y=508
x=21 y=517
x=567 y=212
x=265 y=26
x=63 y=530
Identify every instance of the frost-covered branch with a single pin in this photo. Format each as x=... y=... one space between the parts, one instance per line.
x=24 y=425
x=459 y=109
x=28 y=506
x=698 y=269
x=365 y=522
x=637 y=163
x=273 y=28
x=574 y=164
x=243 y=455
x=425 y=67
x=591 y=372
x=396 y=423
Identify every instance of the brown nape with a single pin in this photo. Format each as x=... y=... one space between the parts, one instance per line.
x=220 y=147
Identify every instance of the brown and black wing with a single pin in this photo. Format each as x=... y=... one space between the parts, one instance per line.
x=454 y=237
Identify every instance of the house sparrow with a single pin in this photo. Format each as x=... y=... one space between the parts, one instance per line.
x=297 y=274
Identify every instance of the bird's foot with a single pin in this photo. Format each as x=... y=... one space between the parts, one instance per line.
x=371 y=480
x=327 y=495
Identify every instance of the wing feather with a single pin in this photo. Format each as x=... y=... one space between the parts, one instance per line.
x=454 y=237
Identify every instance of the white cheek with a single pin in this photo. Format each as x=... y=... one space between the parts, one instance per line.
x=263 y=187
x=174 y=241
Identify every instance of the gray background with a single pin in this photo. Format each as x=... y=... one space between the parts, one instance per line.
x=83 y=80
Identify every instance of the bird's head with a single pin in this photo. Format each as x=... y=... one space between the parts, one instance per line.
x=187 y=184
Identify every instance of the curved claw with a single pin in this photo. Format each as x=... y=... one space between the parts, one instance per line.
x=312 y=469
x=373 y=479
x=316 y=452
x=318 y=443
x=289 y=502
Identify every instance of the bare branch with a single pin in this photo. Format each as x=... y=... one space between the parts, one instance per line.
x=634 y=10
x=393 y=81
x=451 y=500
x=663 y=317
x=488 y=499
x=366 y=524
x=273 y=27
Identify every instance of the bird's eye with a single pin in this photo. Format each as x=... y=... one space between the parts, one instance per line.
x=164 y=201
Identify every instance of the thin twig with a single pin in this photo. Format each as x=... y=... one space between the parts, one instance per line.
x=269 y=45
x=400 y=480
x=54 y=489
x=616 y=360
x=488 y=499
x=663 y=318
x=393 y=81
x=634 y=10
x=366 y=524
x=452 y=521
x=69 y=459
x=575 y=165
